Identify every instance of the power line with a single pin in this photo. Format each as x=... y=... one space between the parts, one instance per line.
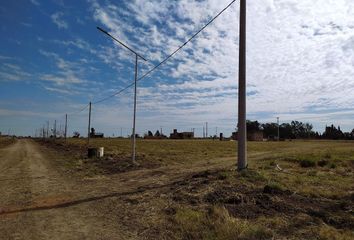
x=169 y=56
x=79 y=111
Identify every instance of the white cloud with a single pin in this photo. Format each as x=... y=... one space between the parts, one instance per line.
x=35 y=2
x=59 y=90
x=67 y=74
x=57 y=19
x=13 y=72
x=300 y=56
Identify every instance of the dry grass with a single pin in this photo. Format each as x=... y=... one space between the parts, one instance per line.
x=5 y=141
x=301 y=200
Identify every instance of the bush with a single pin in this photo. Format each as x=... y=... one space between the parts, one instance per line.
x=322 y=163
x=305 y=163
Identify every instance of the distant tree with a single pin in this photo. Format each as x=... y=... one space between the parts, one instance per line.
x=285 y=131
x=302 y=130
x=150 y=134
x=157 y=134
x=270 y=130
x=76 y=134
x=253 y=126
x=332 y=132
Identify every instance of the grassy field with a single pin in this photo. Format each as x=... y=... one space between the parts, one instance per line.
x=291 y=190
x=5 y=141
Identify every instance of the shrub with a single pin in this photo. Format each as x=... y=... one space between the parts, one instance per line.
x=333 y=165
x=322 y=163
x=305 y=163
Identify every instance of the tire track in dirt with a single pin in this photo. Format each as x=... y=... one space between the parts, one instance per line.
x=36 y=184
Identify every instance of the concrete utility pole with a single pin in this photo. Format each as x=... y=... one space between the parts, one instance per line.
x=242 y=129
x=89 y=125
x=206 y=129
x=278 y=128
x=47 y=129
x=135 y=86
x=66 y=126
x=43 y=131
x=203 y=132
x=134 y=117
x=55 y=129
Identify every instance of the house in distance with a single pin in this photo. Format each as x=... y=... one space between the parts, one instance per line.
x=181 y=135
x=93 y=134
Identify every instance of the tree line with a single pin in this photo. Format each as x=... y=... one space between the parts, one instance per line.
x=298 y=130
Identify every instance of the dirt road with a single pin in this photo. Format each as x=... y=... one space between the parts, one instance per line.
x=41 y=199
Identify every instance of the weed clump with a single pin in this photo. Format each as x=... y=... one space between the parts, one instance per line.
x=217 y=223
x=322 y=162
x=252 y=175
x=273 y=188
x=332 y=165
x=306 y=163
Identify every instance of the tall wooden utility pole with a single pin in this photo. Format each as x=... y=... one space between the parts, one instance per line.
x=242 y=129
x=89 y=125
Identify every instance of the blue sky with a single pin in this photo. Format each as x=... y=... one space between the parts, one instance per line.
x=54 y=61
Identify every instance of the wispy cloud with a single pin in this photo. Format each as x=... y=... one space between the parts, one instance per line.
x=35 y=2
x=13 y=72
x=57 y=19
x=67 y=71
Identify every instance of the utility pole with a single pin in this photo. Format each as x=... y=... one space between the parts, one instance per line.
x=66 y=126
x=203 y=132
x=135 y=86
x=216 y=131
x=43 y=131
x=121 y=132
x=89 y=125
x=242 y=130
x=60 y=131
x=134 y=117
x=55 y=129
x=47 y=129
x=206 y=129
x=278 y=128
